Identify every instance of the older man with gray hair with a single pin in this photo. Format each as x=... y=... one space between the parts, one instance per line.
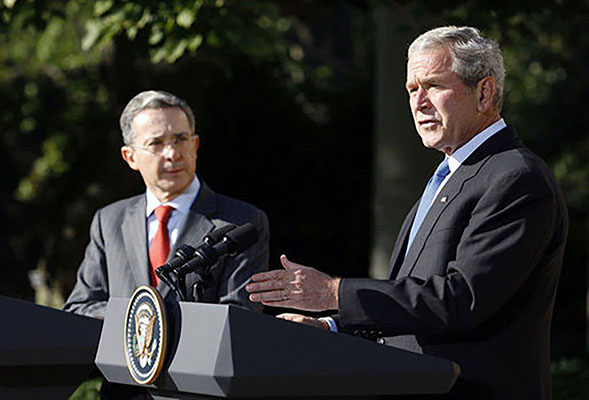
x=130 y=238
x=475 y=268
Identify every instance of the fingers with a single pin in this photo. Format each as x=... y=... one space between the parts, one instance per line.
x=263 y=286
x=301 y=319
x=290 y=317
x=287 y=264
x=264 y=276
x=278 y=288
x=271 y=297
x=276 y=274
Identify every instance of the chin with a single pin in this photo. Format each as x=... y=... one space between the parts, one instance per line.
x=432 y=141
x=175 y=184
x=430 y=144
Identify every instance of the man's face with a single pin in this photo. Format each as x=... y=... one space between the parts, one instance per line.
x=164 y=152
x=444 y=109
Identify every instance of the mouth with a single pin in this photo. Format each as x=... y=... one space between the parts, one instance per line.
x=172 y=170
x=427 y=123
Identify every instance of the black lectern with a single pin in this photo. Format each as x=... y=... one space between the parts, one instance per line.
x=44 y=353
x=229 y=352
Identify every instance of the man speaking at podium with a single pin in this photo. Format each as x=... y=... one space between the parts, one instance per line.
x=475 y=267
x=129 y=239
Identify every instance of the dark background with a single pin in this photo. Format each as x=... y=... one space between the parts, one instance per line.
x=284 y=97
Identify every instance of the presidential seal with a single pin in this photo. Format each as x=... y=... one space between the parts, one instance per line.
x=145 y=335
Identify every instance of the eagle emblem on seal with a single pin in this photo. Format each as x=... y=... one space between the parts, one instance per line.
x=143 y=344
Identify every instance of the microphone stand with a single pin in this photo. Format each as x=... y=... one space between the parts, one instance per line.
x=202 y=282
x=174 y=284
x=200 y=266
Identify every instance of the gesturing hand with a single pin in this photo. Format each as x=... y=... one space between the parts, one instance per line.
x=296 y=286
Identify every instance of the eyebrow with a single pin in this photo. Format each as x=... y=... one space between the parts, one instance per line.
x=160 y=136
x=434 y=78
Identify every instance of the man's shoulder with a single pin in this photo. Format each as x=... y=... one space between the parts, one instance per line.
x=517 y=162
x=518 y=171
x=223 y=209
x=234 y=208
x=504 y=153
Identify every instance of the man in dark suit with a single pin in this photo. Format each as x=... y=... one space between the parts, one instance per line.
x=127 y=239
x=476 y=265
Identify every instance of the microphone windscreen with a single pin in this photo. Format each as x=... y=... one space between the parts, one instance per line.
x=243 y=237
x=185 y=252
x=215 y=236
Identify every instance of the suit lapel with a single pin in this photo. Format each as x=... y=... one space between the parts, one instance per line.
x=447 y=195
x=197 y=224
x=135 y=240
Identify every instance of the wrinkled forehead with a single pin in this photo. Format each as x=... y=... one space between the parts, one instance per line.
x=427 y=63
x=160 y=122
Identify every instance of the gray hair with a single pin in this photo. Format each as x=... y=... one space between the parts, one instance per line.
x=474 y=57
x=151 y=99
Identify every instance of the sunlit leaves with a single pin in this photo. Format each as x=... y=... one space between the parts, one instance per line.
x=102 y=6
x=50 y=164
x=186 y=17
x=175 y=28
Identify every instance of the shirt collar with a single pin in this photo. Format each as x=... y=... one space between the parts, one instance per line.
x=181 y=203
x=461 y=154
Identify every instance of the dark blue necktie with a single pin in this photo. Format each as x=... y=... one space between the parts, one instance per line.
x=427 y=198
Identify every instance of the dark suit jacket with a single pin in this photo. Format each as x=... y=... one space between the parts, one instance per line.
x=117 y=262
x=478 y=284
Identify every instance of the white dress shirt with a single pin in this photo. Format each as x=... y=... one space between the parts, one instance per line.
x=181 y=205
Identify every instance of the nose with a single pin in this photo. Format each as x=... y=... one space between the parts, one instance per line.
x=172 y=152
x=420 y=99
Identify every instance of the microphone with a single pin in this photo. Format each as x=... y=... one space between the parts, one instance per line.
x=185 y=252
x=232 y=242
x=182 y=255
x=215 y=236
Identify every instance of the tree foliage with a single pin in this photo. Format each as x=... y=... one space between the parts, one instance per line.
x=174 y=28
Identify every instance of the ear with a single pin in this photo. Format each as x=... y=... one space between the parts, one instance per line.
x=485 y=91
x=196 y=143
x=128 y=155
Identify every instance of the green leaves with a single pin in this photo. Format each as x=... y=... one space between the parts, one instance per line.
x=172 y=29
x=185 y=18
x=8 y=3
x=51 y=164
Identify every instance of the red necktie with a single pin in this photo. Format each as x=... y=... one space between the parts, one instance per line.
x=160 y=245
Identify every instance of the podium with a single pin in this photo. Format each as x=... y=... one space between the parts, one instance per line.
x=44 y=353
x=223 y=351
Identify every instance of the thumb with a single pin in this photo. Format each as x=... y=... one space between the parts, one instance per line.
x=286 y=263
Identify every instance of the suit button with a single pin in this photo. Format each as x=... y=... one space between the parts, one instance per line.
x=380 y=341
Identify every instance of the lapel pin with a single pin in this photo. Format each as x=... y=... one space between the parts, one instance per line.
x=444 y=199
